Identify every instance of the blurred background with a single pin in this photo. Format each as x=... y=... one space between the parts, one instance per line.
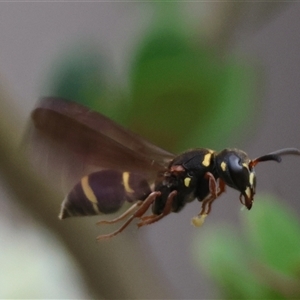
x=183 y=75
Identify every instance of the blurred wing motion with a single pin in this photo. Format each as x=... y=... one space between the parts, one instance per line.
x=73 y=139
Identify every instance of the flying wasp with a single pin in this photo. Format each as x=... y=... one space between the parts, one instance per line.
x=119 y=166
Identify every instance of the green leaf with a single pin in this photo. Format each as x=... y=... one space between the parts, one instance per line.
x=82 y=74
x=220 y=251
x=274 y=231
x=262 y=262
x=185 y=96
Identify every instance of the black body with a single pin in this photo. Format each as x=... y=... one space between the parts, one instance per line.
x=130 y=169
x=185 y=175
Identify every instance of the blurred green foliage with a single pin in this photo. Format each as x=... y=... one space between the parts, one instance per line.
x=183 y=94
x=79 y=75
x=83 y=74
x=263 y=262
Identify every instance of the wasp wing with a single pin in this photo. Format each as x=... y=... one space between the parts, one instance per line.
x=68 y=136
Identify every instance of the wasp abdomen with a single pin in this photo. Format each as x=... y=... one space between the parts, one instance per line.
x=103 y=192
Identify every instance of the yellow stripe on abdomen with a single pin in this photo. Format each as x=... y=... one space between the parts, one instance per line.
x=125 y=176
x=88 y=192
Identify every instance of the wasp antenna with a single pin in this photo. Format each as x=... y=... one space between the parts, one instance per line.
x=276 y=155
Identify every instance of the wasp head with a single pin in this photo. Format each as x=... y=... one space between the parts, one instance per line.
x=237 y=171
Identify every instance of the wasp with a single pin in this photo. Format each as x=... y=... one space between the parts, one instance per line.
x=127 y=168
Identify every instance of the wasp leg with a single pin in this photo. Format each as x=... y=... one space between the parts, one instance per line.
x=139 y=213
x=129 y=211
x=144 y=218
x=221 y=189
x=154 y=218
x=215 y=192
x=212 y=196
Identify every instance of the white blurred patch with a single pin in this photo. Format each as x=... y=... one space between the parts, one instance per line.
x=33 y=262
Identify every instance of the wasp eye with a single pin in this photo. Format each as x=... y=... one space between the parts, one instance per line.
x=239 y=172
